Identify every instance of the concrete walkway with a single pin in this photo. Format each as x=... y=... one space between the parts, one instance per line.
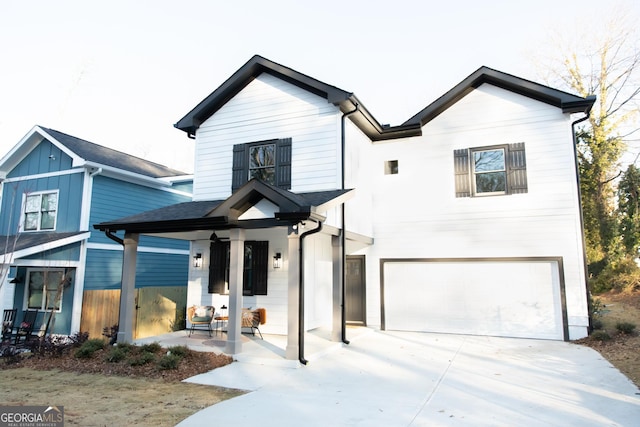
x=418 y=379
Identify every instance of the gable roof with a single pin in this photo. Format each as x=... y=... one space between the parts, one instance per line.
x=567 y=102
x=219 y=214
x=346 y=101
x=85 y=153
x=358 y=113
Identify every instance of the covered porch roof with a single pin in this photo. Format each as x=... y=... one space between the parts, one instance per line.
x=193 y=220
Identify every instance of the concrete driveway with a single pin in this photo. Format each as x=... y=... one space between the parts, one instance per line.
x=419 y=379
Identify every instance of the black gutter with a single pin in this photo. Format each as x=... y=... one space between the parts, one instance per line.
x=113 y=237
x=343 y=239
x=584 y=243
x=301 y=293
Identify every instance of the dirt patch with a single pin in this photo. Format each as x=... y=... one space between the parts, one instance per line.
x=622 y=350
x=97 y=392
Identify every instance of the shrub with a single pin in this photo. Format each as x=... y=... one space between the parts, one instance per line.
x=179 y=350
x=142 y=358
x=56 y=345
x=600 y=336
x=622 y=275
x=154 y=347
x=625 y=327
x=89 y=347
x=597 y=324
x=126 y=347
x=116 y=354
x=169 y=361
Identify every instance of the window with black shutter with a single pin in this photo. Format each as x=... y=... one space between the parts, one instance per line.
x=268 y=161
x=256 y=254
x=490 y=171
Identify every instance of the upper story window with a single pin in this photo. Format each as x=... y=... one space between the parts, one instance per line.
x=489 y=171
x=262 y=162
x=40 y=211
x=268 y=161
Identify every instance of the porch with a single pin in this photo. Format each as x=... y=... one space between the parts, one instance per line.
x=268 y=351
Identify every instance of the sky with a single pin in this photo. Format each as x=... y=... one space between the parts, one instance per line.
x=121 y=73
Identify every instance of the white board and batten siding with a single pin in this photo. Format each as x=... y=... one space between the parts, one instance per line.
x=417 y=216
x=270 y=108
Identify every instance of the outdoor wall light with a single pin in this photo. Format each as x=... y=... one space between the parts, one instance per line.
x=277 y=260
x=197 y=260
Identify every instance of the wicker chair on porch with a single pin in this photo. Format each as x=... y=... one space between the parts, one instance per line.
x=252 y=319
x=200 y=317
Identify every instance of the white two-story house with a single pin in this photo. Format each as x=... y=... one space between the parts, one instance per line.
x=464 y=219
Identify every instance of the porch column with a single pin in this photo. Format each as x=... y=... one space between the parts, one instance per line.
x=236 y=273
x=128 y=289
x=336 y=312
x=293 y=295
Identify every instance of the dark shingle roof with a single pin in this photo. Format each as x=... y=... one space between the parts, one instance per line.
x=22 y=241
x=203 y=214
x=108 y=157
x=567 y=102
x=346 y=101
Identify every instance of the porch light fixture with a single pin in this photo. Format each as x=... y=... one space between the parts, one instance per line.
x=197 y=260
x=277 y=260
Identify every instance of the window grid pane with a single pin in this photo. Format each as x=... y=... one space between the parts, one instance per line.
x=262 y=162
x=40 y=212
x=490 y=171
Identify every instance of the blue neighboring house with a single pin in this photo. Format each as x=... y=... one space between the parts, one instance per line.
x=54 y=186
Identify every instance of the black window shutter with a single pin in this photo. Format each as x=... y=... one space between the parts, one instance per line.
x=260 y=267
x=218 y=267
x=283 y=163
x=461 y=170
x=517 y=169
x=240 y=169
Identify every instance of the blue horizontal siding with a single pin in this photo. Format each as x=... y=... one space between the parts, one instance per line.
x=114 y=199
x=161 y=270
x=104 y=269
x=64 y=253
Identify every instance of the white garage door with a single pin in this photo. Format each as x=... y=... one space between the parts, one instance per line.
x=500 y=298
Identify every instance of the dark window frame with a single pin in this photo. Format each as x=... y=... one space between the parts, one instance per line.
x=256 y=267
x=241 y=172
x=515 y=174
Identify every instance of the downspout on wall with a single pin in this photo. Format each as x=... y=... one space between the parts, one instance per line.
x=343 y=239
x=301 y=329
x=584 y=243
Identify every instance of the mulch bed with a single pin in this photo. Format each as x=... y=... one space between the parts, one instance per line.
x=193 y=363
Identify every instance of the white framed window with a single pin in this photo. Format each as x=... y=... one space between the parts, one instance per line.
x=44 y=288
x=40 y=211
x=489 y=171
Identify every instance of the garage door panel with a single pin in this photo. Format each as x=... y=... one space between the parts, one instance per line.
x=501 y=298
